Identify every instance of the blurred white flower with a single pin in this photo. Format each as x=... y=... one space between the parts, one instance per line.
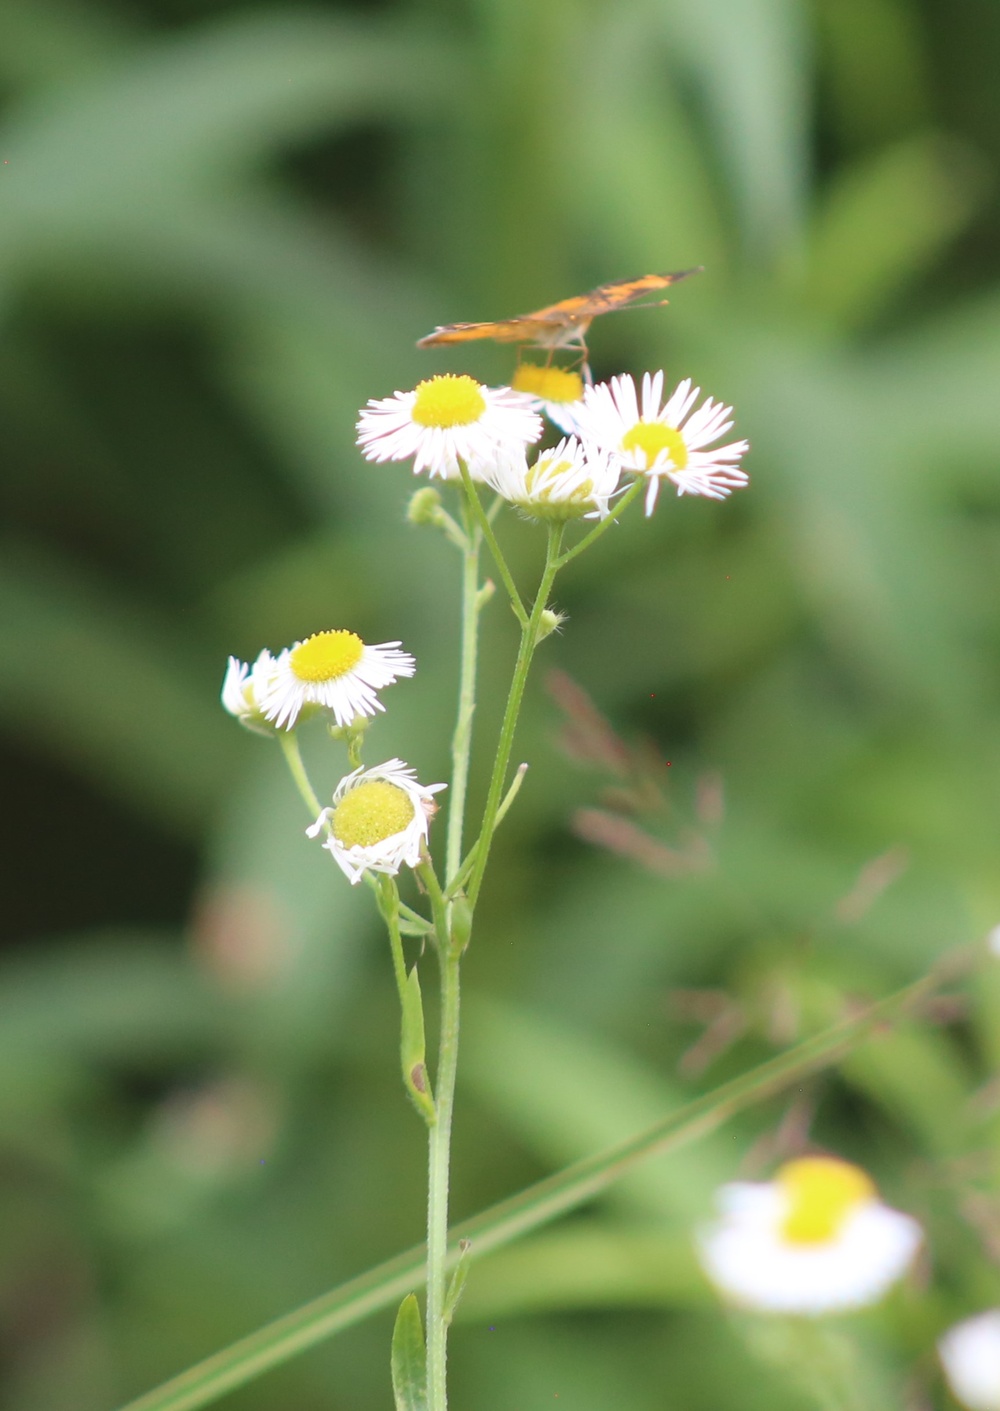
x=243 y=688
x=564 y=483
x=444 y=420
x=993 y=941
x=379 y=820
x=970 y=1355
x=814 y=1240
x=668 y=442
x=335 y=671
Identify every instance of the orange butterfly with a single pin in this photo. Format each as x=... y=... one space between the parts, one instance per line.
x=562 y=325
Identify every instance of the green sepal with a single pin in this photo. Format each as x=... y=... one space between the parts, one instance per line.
x=412 y=1047
x=409 y=1358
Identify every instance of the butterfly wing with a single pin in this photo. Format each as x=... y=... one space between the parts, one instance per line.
x=510 y=330
x=560 y=324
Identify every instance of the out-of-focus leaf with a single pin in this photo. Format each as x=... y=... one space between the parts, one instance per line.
x=751 y=60
x=55 y=41
x=587 y=1266
x=883 y=222
x=565 y=1091
x=110 y=688
x=191 y=112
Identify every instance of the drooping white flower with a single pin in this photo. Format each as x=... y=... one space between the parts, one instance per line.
x=567 y=482
x=970 y=1355
x=555 y=391
x=378 y=820
x=243 y=688
x=444 y=420
x=669 y=442
x=334 y=670
x=815 y=1240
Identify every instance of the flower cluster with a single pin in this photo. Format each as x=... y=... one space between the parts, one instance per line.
x=614 y=430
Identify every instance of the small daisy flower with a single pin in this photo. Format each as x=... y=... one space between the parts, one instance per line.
x=564 y=483
x=444 y=420
x=815 y=1240
x=243 y=689
x=556 y=391
x=970 y=1355
x=334 y=670
x=665 y=442
x=378 y=820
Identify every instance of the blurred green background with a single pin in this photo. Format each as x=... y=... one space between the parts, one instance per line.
x=222 y=227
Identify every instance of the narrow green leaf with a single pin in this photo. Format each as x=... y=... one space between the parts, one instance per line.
x=303 y=1328
x=412 y=1047
x=409 y=1358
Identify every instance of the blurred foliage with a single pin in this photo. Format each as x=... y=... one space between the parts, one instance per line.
x=222 y=227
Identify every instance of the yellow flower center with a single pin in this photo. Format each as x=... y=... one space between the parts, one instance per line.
x=453 y=399
x=325 y=656
x=552 y=384
x=652 y=438
x=821 y=1193
x=370 y=813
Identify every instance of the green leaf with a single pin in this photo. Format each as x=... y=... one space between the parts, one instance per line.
x=411 y=1047
x=409 y=1358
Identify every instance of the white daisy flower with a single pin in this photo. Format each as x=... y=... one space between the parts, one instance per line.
x=378 y=820
x=333 y=670
x=815 y=1240
x=993 y=941
x=970 y=1355
x=566 y=482
x=555 y=391
x=665 y=442
x=243 y=688
x=444 y=420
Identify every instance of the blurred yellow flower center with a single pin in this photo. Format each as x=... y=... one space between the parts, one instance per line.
x=821 y=1192
x=451 y=400
x=370 y=813
x=652 y=438
x=326 y=656
x=552 y=384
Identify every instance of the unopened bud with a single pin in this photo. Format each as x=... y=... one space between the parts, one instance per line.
x=549 y=622
x=425 y=507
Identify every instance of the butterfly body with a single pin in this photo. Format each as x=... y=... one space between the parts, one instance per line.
x=562 y=325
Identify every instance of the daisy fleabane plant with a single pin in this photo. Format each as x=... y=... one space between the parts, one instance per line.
x=378 y=821
x=555 y=391
x=672 y=441
x=445 y=420
x=970 y=1355
x=569 y=481
x=333 y=670
x=377 y=827
x=813 y=1241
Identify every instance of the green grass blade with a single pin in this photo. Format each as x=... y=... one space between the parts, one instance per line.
x=382 y=1286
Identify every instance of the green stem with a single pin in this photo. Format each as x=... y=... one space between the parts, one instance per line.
x=461 y=743
x=529 y=639
x=482 y=519
x=437 y=1182
x=293 y=758
x=630 y=494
